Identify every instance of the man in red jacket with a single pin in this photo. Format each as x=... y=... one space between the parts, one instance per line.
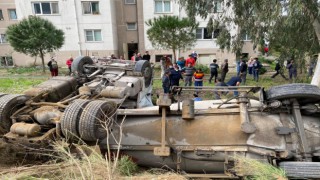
x=191 y=60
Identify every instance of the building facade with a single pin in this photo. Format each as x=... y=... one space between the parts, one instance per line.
x=103 y=27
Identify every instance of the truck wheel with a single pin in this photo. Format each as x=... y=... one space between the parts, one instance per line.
x=144 y=67
x=94 y=119
x=79 y=62
x=8 y=105
x=70 y=119
x=304 y=93
x=301 y=170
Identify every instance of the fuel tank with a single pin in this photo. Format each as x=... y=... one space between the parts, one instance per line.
x=57 y=88
x=207 y=142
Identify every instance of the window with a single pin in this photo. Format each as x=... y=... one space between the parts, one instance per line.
x=6 y=61
x=3 y=39
x=12 y=14
x=130 y=1
x=1 y=15
x=162 y=6
x=246 y=37
x=202 y=33
x=218 y=6
x=45 y=7
x=131 y=26
x=93 y=35
x=90 y=7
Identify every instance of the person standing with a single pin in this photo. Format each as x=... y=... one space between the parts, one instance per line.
x=198 y=78
x=243 y=71
x=163 y=66
x=256 y=69
x=138 y=57
x=175 y=75
x=53 y=66
x=191 y=60
x=292 y=67
x=213 y=71
x=166 y=82
x=146 y=56
x=188 y=72
x=69 y=63
x=133 y=57
x=194 y=55
x=250 y=65
x=181 y=63
x=224 y=70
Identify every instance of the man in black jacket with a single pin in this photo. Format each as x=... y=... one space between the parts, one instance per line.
x=214 y=71
x=243 y=71
x=278 y=70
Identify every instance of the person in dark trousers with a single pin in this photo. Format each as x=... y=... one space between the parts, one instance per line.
x=234 y=81
x=69 y=63
x=53 y=67
x=213 y=71
x=146 y=56
x=224 y=70
x=278 y=70
x=188 y=73
x=243 y=71
x=175 y=75
x=292 y=67
x=166 y=82
x=219 y=84
x=256 y=69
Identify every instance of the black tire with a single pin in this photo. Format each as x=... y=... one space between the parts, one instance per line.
x=2 y=94
x=70 y=119
x=144 y=67
x=8 y=105
x=93 y=118
x=79 y=62
x=301 y=169
x=304 y=93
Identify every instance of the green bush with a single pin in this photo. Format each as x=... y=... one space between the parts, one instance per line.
x=22 y=70
x=203 y=67
x=266 y=61
x=262 y=70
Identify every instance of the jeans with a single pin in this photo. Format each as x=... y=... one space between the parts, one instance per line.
x=223 y=76
x=166 y=89
x=188 y=81
x=243 y=77
x=198 y=84
x=256 y=74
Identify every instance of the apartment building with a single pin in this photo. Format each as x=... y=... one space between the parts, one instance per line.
x=103 y=27
x=8 y=16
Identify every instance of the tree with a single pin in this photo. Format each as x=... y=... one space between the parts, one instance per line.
x=291 y=26
x=35 y=36
x=170 y=32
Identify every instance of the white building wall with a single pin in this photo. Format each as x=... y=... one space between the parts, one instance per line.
x=74 y=23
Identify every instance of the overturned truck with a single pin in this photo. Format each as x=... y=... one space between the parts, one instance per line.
x=109 y=102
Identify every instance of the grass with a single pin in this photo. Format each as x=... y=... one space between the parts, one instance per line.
x=17 y=85
x=256 y=170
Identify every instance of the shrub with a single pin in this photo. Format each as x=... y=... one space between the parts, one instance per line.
x=203 y=67
x=126 y=166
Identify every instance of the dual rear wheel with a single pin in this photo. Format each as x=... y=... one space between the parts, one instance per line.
x=87 y=120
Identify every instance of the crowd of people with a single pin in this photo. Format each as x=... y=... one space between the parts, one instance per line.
x=185 y=70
